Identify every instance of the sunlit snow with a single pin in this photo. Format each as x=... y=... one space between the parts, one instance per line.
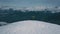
x=30 y=27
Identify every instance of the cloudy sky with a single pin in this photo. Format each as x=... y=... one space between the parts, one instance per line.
x=29 y=3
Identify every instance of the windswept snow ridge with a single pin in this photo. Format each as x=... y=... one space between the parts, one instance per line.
x=30 y=27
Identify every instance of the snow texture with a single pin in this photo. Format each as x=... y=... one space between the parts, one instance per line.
x=3 y=23
x=30 y=27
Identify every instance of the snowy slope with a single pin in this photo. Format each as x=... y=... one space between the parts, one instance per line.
x=30 y=27
x=3 y=23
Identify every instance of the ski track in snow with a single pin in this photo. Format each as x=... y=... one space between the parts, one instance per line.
x=30 y=27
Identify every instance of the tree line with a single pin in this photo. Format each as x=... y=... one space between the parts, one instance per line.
x=10 y=16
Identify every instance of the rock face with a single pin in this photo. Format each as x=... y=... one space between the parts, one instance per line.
x=30 y=27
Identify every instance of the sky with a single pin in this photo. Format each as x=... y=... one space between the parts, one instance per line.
x=29 y=3
x=30 y=27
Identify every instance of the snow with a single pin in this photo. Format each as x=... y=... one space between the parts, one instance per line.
x=3 y=23
x=30 y=27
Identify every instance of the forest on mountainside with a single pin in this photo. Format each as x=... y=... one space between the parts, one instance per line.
x=10 y=16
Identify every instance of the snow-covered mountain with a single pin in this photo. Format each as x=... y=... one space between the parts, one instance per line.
x=35 y=8
x=54 y=9
x=30 y=27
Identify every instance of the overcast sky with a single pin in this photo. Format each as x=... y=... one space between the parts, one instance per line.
x=29 y=3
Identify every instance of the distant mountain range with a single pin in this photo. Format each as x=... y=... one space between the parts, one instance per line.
x=48 y=15
x=53 y=9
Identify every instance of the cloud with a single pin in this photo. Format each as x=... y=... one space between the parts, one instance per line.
x=36 y=8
